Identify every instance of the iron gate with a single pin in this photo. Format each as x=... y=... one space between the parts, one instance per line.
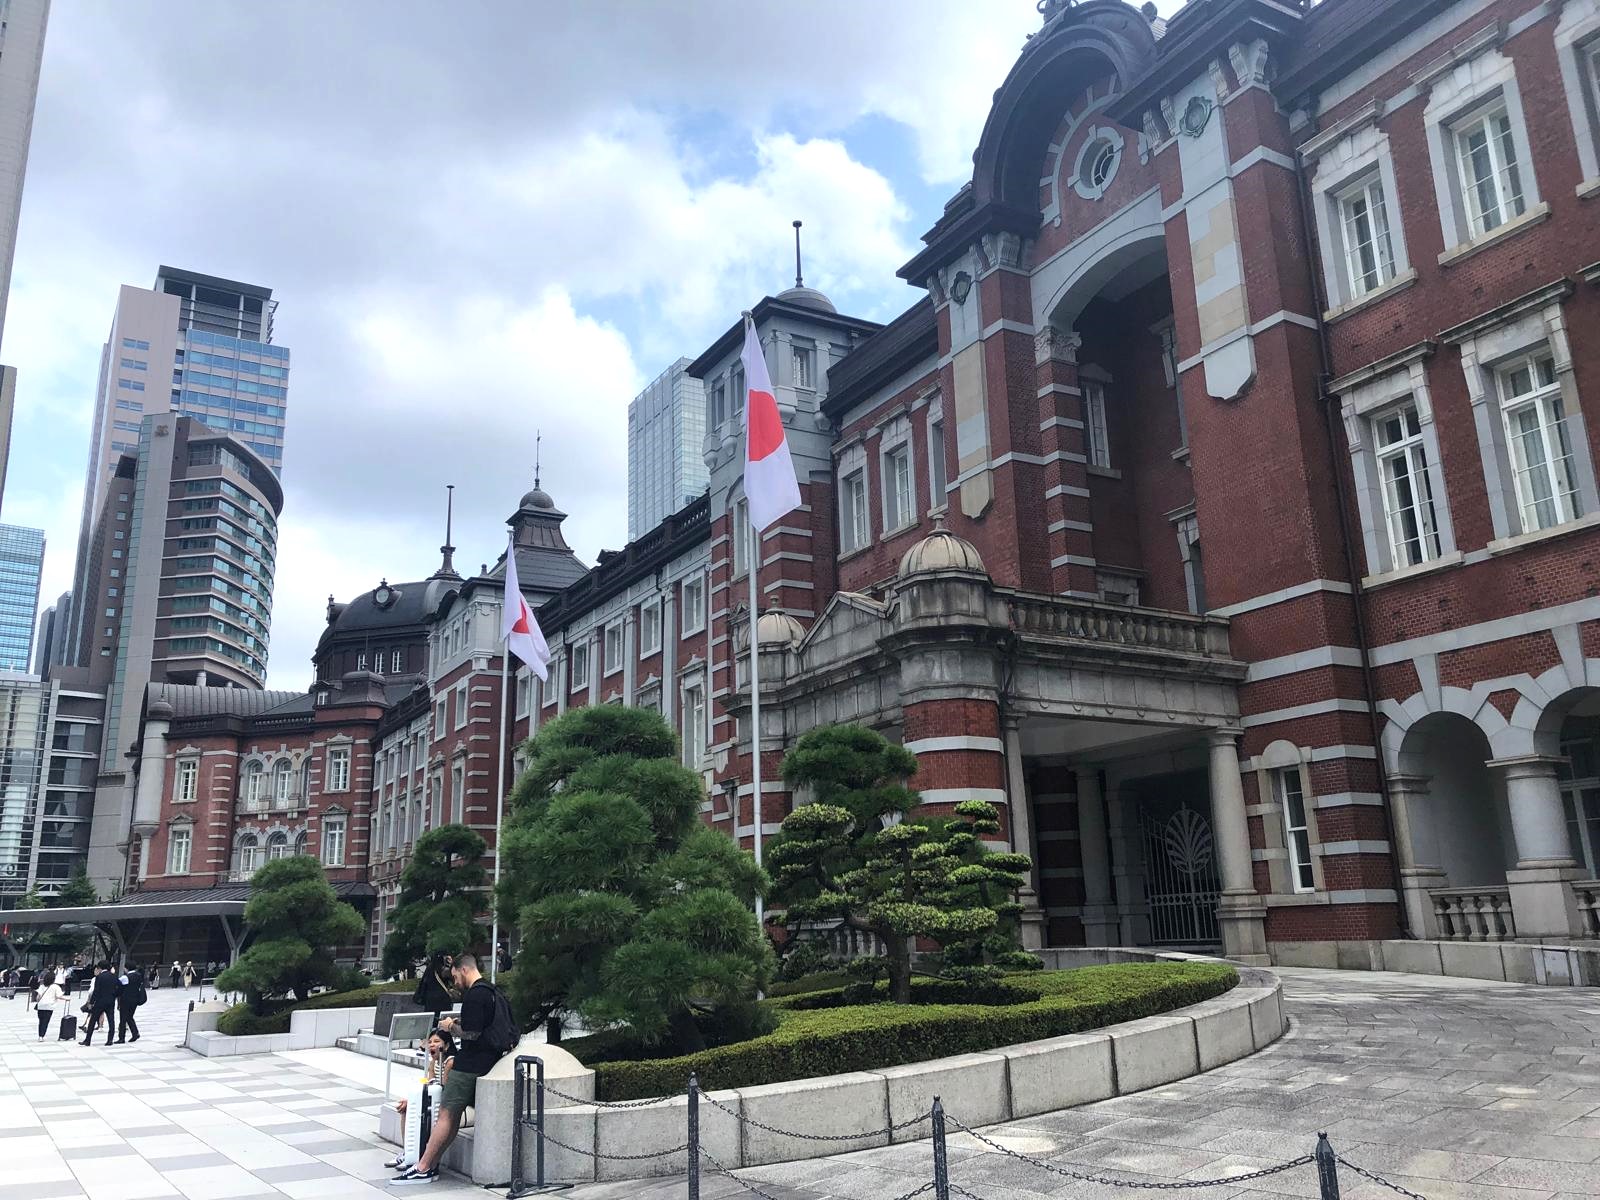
x=1180 y=877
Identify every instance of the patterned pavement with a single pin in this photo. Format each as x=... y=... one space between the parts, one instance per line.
x=149 y=1121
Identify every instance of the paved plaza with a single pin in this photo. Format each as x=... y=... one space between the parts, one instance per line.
x=1454 y=1089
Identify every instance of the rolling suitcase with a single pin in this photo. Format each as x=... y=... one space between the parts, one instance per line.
x=69 y=1029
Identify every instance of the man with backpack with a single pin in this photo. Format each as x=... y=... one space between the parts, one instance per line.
x=487 y=1032
x=130 y=996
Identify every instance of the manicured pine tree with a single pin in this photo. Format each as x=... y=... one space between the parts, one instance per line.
x=295 y=922
x=442 y=897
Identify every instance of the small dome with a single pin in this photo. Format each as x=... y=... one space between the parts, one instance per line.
x=159 y=710
x=779 y=628
x=807 y=298
x=538 y=498
x=942 y=550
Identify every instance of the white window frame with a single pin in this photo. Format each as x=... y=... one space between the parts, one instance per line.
x=938 y=481
x=1096 y=434
x=1288 y=786
x=180 y=835
x=1474 y=78
x=1090 y=152
x=278 y=841
x=899 y=511
x=855 y=511
x=1528 y=324
x=254 y=785
x=1559 y=493
x=650 y=628
x=694 y=722
x=524 y=691
x=441 y=716
x=613 y=648
x=1187 y=528
x=1411 y=523
x=458 y=791
x=282 y=784
x=1365 y=398
x=1498 y=148
x=338 y=770
x=692 y=616
x=1577 y=41
x=248 y=855
x=803 y=365
x=578 y=666
x=1376 y=242
x=462 y=703
x=186 y=782
x=739 y=537
x=334 y=840
x=1354 y=154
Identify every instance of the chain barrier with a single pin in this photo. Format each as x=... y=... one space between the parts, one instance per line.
x=571 y=1099
x=597 y=1155
x=744 y=1183
x=909 y=1123
x=1378 y=1179
x=1173 y=1185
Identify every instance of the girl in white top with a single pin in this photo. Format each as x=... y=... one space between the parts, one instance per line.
x=49 y=998
x=441 y=1049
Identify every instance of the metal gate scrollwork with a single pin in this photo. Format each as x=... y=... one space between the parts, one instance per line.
x=1181 y=882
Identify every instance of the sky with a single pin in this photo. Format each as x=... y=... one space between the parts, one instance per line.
x=506 y=221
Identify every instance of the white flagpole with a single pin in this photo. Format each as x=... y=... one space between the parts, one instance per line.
x=755 y=698
x=499 y=811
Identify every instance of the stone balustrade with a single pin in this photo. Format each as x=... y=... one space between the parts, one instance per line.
x=1119 y=625
x=1480 y=914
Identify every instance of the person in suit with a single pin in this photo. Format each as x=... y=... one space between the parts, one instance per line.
x=102 y=1003
x=130 y=995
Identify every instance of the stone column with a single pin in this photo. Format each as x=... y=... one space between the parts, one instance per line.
x=1542 y=901
x=1127 y=865
x=669 y=657
x=152 y=782
x=1241 y=913
x=630 y=657
x=1100 y=924
x=1019 y=807
x=1416 y=844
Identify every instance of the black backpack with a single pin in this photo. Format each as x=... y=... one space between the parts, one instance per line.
x=502 y=1035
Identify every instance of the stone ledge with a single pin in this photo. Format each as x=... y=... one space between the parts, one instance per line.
x=1575 y=965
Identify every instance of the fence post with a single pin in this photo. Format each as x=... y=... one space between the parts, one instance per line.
x=538 y=1102
x=694 y=1137
x=941 y=1165
x=1327 y=1168
x=519 y=1107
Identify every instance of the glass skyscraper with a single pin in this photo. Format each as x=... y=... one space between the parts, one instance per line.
x=21 y=561
x=666 y=463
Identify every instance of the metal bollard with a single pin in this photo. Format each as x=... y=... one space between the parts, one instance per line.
x=694 y=1137
x=1327 y=1168
x=941 y=1164
x=521 y=1118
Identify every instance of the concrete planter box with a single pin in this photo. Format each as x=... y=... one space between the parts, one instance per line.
x=1222 y=1027
x=831 y=1104
x=1154 y=1051
x=314 y=1028
x=1058 y=1073
x=1576 y=965
x=212 y=1044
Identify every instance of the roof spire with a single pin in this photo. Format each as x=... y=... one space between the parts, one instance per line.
x=447 y=567
x=538 y=436
x=799 y=280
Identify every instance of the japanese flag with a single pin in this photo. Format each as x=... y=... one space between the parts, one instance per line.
x=770 y=487
x=517 y=625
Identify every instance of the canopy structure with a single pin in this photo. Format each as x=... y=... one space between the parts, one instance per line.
x=124 y=921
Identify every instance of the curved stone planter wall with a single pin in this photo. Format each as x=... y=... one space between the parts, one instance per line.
x=981 y=1089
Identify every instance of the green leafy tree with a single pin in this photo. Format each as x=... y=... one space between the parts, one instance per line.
x=31 y=899
x=295 y=922
x=79 y=892
x=441 y=899
x=632 y=911
x=853 y=856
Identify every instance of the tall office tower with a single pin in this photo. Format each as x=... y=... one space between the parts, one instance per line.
x=21 y=563
x=179 y=590
x=192 y=344
x=50 y=636
x=666 y=470
x=22 y=25
x=8 y=405
x=25 y=710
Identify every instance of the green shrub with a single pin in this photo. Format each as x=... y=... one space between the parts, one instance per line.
x=822 y=981
x=239 y=1021
x=828 y=1041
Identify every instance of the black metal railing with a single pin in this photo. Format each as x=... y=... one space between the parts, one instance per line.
x=530 y=1117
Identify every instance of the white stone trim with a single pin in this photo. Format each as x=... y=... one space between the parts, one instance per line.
x=1347 y=799
x=1304 y=660
x=930 y=744
x=957 y=795
x=1281 y=596
x=1353 y=847
x=1282 y=317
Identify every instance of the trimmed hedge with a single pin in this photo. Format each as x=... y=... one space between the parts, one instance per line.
x=239 y=1021
x=812 y=1040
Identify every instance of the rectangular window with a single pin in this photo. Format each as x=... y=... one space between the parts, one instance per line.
x=613 y=649
x=1536 y=434
x=1097 y=443
x=458 y=793
x=1407 y=489
x=739 y=531
x=649 y=628
x=1296 y=836
x=803 y=365
x=855 y=525
x=179 y=842
x=338 y=770
x=524 y=692
x=333 y=841
x=461 y=706
x=694 y=605
x=395 y=662
x=1486 y=157
x=188 y=783
x=694 y=724
x=441 y=717
x=936 y=472
x=1364 y=224
x=718 y=404
x=899 y=503
x=736 y=390
x=579 y=670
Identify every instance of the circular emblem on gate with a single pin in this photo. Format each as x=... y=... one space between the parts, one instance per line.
x=1187 y=838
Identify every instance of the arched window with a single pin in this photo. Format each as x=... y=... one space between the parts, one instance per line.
x=283 y=783
x=254 y=784
x=248 y=855
x=300 y=843
x=277 y=846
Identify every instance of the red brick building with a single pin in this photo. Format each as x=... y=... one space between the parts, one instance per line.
x=1225 y=509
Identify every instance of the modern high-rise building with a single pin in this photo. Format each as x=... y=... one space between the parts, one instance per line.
x=50 y=636
x=666 y=470
x=178 y=590
x=22 y=24
x=192 y=344
x=21 y=562
x=25 y=705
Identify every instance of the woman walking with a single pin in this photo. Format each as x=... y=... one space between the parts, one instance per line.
x=49 y=997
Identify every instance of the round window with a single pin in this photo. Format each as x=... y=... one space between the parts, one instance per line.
x=1102 y=162
x=1097 y=164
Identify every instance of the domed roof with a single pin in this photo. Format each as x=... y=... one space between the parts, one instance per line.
x=806 y=298
x=779 y=628
x=942 y=550
x=389 y=606
x=538 y=498
x=158 y=710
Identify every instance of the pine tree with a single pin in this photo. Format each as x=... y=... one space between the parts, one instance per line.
x=296 y=922
x=442 y=896
x=632 y=912
x=79 y=892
